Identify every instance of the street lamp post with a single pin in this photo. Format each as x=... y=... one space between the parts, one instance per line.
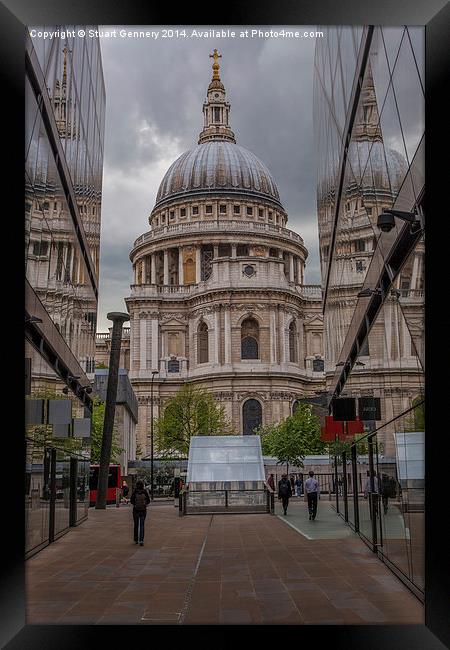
x=154 y=372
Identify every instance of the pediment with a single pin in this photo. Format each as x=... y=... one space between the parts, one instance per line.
x=173 y=322
x=315 y=321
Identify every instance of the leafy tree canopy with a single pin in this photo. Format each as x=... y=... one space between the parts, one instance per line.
x=293 y=438
x=191 y=412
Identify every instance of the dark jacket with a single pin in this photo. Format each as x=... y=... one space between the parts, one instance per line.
x=284 y=488
x=133 y=496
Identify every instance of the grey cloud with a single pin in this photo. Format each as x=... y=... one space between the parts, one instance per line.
x=155 y=91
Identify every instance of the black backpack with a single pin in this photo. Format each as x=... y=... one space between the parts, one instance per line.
x=284 y=489
x=140 y=502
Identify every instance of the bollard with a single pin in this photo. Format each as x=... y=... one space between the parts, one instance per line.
x=117 y=497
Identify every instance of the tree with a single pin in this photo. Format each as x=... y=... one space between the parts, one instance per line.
x=41 y=435
x=416 y=422
x=293 y=438
x=98 y=416
x=191 y=412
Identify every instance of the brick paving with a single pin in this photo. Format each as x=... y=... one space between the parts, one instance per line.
x=210 y=569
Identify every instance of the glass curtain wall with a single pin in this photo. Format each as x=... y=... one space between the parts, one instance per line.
x=62 y=240
x=383 y=168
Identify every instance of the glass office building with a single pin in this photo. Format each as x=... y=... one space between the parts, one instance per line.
x=64 y=132
x=369 y=129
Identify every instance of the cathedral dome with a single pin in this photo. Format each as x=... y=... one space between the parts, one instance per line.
x=217 y=166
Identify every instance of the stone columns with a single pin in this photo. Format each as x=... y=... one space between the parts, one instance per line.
x=233 y=250
x=227 y=334
x=143 y=344
x=198 y=272
x=415 y=272
x=180 y=266
x=299 y=270
x=273 y=337
x=217 y=336
x=153 y=269
x=166 y=267
x=155 y=344
x=282 y=336
x=291 y=268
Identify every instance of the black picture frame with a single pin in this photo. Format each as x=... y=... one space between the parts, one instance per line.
x=434 y=14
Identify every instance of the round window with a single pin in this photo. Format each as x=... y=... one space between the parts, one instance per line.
x=249 y=270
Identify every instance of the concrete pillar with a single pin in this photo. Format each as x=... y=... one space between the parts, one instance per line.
x=155 y=346
x=143 y=344
x=180 y=266
x=118 y=319
x=166 y=267
x=153 y=268
x=227 y=335
x=198 y=253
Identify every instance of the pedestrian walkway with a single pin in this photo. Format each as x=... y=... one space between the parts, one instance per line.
x=327 y=525
x=211 y=569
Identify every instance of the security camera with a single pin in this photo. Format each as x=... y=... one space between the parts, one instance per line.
x=385 y=221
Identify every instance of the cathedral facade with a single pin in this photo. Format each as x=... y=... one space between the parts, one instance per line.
x=219 y=297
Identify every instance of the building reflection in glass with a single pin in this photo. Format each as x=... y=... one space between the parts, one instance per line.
x=381 y=120
x=64 y=132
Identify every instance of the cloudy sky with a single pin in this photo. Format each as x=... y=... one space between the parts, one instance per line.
x=154 y=95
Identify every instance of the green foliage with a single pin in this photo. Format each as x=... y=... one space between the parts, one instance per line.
x=41 y=435
x=191 y=412
x=416 y=422
x=98 y=417
x=101 y=366
x=293 y=438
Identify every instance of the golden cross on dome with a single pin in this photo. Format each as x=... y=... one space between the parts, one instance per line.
x=215 y=66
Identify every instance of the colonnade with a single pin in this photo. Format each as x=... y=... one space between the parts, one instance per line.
x=146 y=267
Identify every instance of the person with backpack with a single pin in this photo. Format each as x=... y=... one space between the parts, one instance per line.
x=312 y=492
x=140 y=501
x=284 y=492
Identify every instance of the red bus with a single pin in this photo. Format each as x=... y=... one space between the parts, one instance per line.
x=113 y=483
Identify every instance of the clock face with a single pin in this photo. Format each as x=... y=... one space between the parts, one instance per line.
x=216 y=95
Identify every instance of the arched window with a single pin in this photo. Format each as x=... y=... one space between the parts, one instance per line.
x=251 y=416
x=202 y=343
x=293 y=342
x=189 y=271
x=249 y=339
x=295 y=406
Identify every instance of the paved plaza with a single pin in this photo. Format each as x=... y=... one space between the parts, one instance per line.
x=215 y=569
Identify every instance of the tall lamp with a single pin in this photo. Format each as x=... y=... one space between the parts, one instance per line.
x=154 y=372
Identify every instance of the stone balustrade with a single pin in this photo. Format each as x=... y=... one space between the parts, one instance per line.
x=224 y=225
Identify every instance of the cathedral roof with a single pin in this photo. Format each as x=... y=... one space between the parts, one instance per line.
x=217 y=165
